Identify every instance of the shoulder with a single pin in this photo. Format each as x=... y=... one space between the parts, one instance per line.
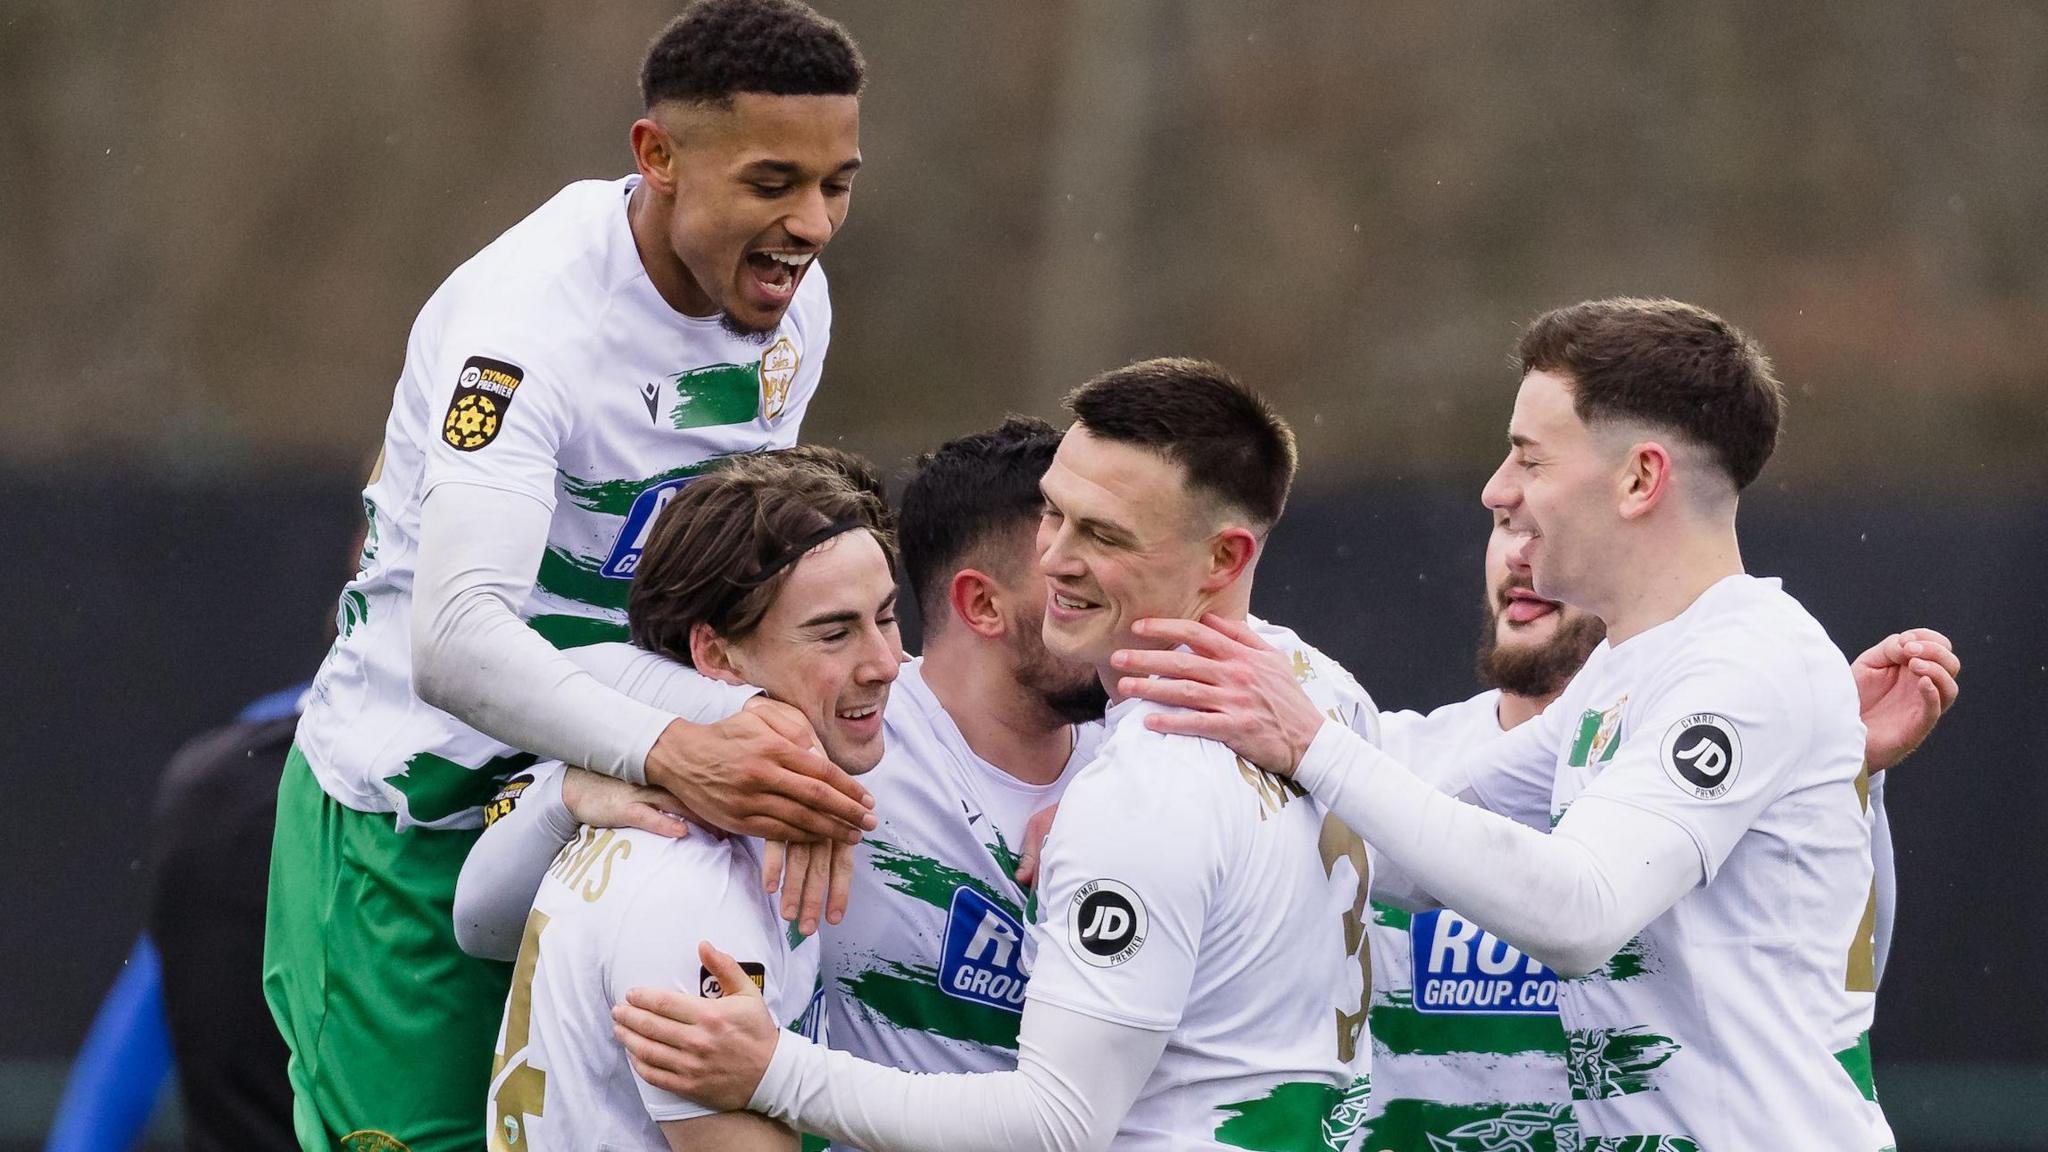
x=543 y=281
x=1327 y=682
x=1748 y=639
x=1170 y=779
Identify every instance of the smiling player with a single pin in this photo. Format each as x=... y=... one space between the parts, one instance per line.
x=558 y=389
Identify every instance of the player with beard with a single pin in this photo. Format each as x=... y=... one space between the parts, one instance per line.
x=557 y=390
x=1474 y=1059
x=1703 y=775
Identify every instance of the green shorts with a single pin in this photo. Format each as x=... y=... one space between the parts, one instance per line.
x=391 y=1026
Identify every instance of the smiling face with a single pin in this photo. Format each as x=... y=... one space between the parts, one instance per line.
x=1120 y=540
x=1531 y=646
x=752 y=193
x=827 y=647
x=1557 y=494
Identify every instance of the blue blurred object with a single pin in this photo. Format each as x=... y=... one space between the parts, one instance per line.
x=276 y=706
x=122 y=1066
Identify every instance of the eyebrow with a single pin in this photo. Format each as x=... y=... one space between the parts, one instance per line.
x=1518 y=440
x=791 y=168
x=846 y=616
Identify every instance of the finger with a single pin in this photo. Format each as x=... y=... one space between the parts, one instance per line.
x=732 y=980
x=1027 y=860
x=1207 y=725
x=1941 y=654
x=771 y=865
x=1944 y=685
x=795 y=872
x=1196 y=634
x=661 y=1014
x=1929 y=635
x=648 y=818
x=1167 y=662
x=817 y=883
x=823 y=809
x=784 y=720
x=842 y=882
x=776 y=817
x=658 y=1064
x=813 y=779
x=1181 y=693
x=1239 y=630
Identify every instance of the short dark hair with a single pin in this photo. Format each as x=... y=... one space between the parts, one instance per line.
x=719 y=48
x=1228 y=441
x=726 y=543
x=966 y=492
x=1665 y=363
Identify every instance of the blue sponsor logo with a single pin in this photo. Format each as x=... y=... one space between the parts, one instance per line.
x=625 y=557
x=983 y=961
x=1461 y=968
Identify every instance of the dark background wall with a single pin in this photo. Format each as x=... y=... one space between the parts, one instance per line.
x=135 y=618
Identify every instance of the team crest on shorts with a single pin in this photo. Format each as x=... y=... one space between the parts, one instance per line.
x=371 y=1140
x=483 y=394
x=778 y=370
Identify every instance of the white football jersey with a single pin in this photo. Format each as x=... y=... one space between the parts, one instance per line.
x=1739 y=1018
x=927 y=971
x=547 y=366
x=621 y=908
x=1467 y=1051
x=1185 y=891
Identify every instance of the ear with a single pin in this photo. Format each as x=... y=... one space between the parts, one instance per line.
x=713 y=655
x=1230 y=553
x=1645 y=479
x=972 y=595
x=654 y=154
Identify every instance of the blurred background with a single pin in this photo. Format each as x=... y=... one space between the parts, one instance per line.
x=217 y=221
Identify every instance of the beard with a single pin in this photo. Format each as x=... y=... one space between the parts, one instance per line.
x=733 y=327
x=1543 y=670
x=1072 y=692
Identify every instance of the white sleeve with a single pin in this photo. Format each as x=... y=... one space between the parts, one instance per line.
x=1571 y=898
x=1076 y=1077
x=472 y=655
x=657 y=948
x=1156 y=887
x=526 y=825
x=1887 y=878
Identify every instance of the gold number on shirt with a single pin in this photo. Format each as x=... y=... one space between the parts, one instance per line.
x=518 y=1089
x=1341 y=843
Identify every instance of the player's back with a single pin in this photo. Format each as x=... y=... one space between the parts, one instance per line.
x=1188 y=892
x=618 y=909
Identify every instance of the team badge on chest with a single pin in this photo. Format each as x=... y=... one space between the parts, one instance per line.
x=778 y=371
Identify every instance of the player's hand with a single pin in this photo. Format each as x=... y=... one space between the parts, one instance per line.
x=759 y=773
x=1036 y=830
x=712 y=1051
x=1903 y=685
x=605 y=802
x=814 y=879
x=1239 y=689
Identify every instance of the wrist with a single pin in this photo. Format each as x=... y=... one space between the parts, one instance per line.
x=779 y=1080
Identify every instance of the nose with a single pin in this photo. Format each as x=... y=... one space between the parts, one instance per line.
x=1055 y=557
x=1502 y=493
x=882 y=658
x=810 y=220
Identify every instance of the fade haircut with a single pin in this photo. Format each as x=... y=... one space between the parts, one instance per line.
x=719 y=48
x=1667 y=364
x=725 y=545
x=1228 y=442
x=965 y=494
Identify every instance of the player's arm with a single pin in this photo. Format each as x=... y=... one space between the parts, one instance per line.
x=1076 y=1076
x=728 y=1132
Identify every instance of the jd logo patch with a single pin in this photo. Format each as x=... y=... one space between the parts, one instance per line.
x=983 y=959
x=1702 y=755
x=1461 y=968
x=709 y=988
x=483 y=394
x=1106 y=925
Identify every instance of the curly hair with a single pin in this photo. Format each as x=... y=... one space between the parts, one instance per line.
x=718 y=48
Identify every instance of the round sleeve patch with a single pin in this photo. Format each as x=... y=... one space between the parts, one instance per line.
x=1702 y=754
x=1106 y=924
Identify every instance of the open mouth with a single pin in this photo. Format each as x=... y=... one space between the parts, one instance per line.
x=863 y=719
x=1066 y=606
x=1525 y=607
x=775 y=274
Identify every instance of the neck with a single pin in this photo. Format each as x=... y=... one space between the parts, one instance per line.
x=1513 y=711
x=1670 y=573
x=1003 y=723
x=647 y=213
x=1234 y=604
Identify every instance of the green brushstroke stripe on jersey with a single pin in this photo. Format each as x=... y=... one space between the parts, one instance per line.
x=1632 y=961
x=718 y=394
x=1388 y=916
x=923 y=878
x=1403 y=1031
x=1293 y=1117
x=577 y=578
x=909 y=997
x=1856 y=1062
x=615 y=497
x=436 y=787
x=1427 y=1126
x=1607 y=1062
x=1641 y=1144
x=576 y=631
